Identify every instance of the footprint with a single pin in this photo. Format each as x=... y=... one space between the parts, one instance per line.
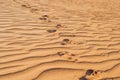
x=93 y=75
x=75 y=60
x=52 y=30
x=72 y=54
x=65 y=41
x=83 y=78
x=34 y=10
x=89 y=71
x=58 y=25
x=26 y=6
x=96 y=72
x=67 y=56
x=44 y=17
x=62 y=53
x=72 y=57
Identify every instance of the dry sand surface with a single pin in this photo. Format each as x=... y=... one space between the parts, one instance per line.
x=59 y=39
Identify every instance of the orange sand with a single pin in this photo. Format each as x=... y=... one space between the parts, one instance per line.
x=59 y=39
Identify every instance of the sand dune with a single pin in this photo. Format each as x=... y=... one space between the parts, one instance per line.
x=59 y=40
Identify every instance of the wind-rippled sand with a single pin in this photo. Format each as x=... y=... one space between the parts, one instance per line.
x=59 y=39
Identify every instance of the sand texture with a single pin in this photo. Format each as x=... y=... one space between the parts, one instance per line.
x=59 y=39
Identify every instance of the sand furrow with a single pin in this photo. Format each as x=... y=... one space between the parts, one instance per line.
x=59 y=40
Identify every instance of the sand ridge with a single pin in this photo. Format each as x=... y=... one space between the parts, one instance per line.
x=59 y=40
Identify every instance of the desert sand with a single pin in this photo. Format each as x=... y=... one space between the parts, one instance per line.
x=59 y=39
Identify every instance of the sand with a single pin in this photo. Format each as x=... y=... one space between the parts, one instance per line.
x=59 y=39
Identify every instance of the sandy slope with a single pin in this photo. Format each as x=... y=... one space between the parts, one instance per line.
x=59 y=39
